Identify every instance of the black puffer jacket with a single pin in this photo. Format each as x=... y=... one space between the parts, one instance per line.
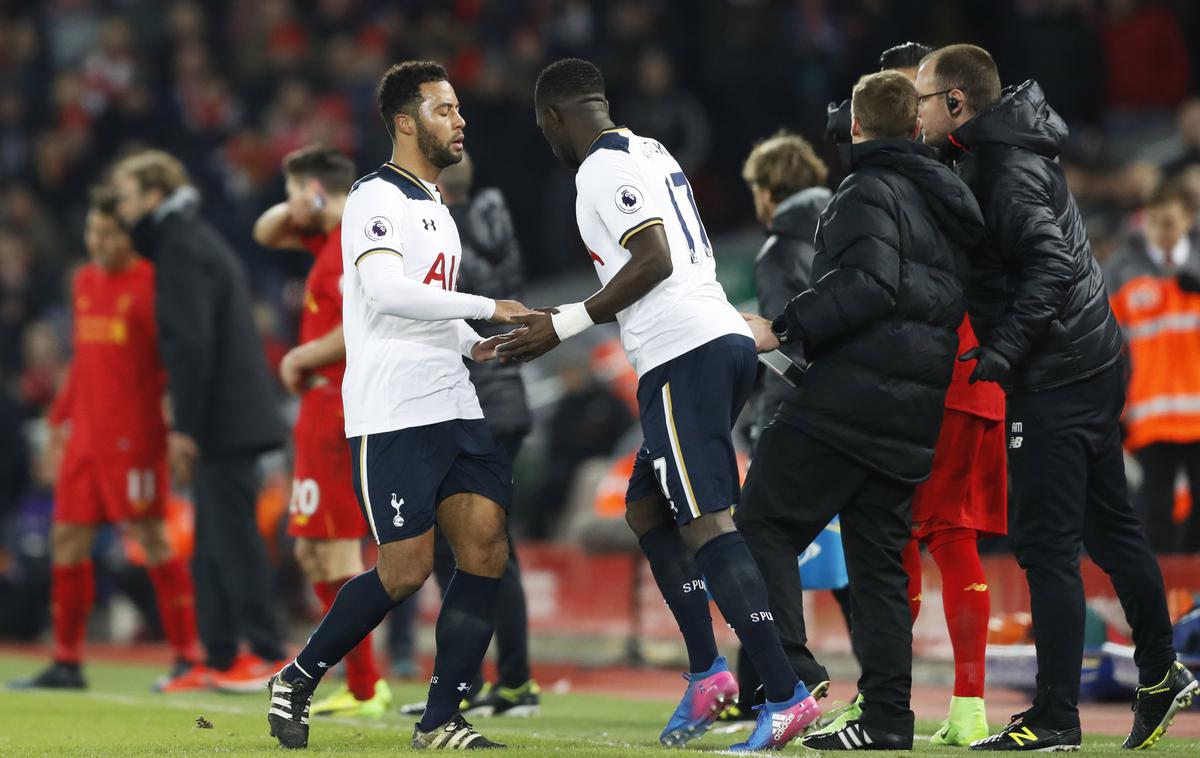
x=880 y=322
x=222 y=393
x=1035 y=292
x=491 y=267
x=782 y=269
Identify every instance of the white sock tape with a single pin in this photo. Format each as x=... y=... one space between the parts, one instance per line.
x=570 y=320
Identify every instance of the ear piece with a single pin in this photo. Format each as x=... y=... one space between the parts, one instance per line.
x=953 y=104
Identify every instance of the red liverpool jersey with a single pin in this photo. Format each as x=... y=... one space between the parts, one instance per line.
x=982 y=399
x=323 y=295
x=114 y=389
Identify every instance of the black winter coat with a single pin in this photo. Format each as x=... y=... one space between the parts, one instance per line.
x=1035 y=294
x=782 y=269
x=491 y=267
x=222 y=394
x=880 y=322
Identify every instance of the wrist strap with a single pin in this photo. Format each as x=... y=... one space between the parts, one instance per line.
x=570 y=320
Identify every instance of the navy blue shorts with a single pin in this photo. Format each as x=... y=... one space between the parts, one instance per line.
x=688 y=407
x=400 y=477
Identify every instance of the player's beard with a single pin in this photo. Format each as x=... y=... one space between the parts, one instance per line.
x=438 y=153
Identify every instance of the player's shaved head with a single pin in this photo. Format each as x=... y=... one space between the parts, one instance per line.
x=567 y=82
x=569 y=100
x=400 y=89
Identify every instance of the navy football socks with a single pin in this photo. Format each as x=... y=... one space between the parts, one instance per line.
x=737 y=586
x=358 y=608
x=464 y=630
x=682 y=586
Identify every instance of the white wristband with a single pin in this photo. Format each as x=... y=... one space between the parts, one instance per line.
x=570 y=320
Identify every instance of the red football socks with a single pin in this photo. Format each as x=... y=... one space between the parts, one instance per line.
x=967 y=604
x=177 y=607
x=361 y=671
x=72 y=592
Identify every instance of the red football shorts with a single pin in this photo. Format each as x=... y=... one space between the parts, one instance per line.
x=323 y=505
x=93 y=489
x=968 y=487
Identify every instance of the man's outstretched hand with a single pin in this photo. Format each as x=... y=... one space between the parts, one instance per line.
x=536 y=338
x=485 y=350
x=764 y=339
x=509 y=312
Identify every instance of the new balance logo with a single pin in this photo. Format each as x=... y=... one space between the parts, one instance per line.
x=977 y=587
x=1015 y=442
x=1017 y=427
x=322 y=665
x=398 y=521
x=761 y=616
x=1023 y=736
x=430 y=226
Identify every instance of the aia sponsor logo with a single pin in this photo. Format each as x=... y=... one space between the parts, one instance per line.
x=442 y=272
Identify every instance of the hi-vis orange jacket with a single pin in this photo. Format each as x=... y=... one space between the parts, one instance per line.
x=1161 y=323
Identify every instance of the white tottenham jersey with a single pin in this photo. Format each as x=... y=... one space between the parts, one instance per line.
x=400 y=373
x=627 y=184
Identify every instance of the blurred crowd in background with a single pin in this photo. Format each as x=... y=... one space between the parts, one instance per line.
x=230 y=87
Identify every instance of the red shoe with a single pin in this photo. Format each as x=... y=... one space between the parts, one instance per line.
x=249 y=673
x=186 y=678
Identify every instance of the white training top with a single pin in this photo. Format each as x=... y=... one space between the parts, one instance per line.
x=403 y=367
x=627 y=184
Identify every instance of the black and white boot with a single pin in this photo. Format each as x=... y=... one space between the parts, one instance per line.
x=455 y=734
x=854 y=736
x=1021 y=736
x=288 y=715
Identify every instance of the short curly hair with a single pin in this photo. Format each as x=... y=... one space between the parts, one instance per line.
x=568 y=77
x=400 y=89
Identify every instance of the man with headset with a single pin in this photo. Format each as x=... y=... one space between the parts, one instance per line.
x=1046 y=333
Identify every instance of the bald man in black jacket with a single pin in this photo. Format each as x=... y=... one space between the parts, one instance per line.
x=1048 y=335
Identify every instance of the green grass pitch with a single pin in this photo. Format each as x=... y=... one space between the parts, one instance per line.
x=119 y=716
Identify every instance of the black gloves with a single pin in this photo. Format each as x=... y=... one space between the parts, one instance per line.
x=837 y=122
x=990 y=365
x=1188 y=281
